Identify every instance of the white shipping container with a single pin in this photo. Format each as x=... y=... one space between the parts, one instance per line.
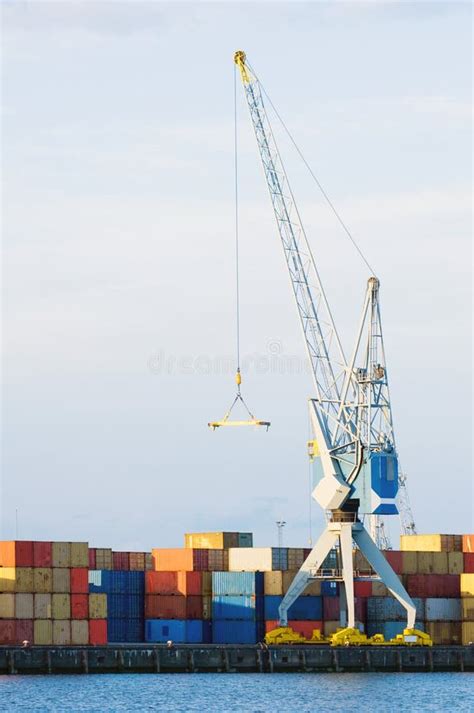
x=250 y=559
x=438 y=609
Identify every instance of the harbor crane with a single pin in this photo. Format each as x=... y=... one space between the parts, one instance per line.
x=353 y=449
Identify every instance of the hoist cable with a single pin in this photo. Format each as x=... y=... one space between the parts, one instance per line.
x=236 y=199
x=326 y=197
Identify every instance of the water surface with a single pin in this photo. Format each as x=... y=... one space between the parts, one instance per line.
x=256 y=693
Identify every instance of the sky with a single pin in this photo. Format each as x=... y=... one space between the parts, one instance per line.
x=118 y=296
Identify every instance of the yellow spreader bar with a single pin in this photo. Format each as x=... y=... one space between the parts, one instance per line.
x=250 y=422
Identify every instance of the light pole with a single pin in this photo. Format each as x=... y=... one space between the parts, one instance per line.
x=280 y=525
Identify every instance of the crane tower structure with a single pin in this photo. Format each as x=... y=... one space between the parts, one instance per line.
x=354 y=454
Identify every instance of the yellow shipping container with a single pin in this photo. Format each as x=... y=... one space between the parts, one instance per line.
x=455 y=562
x=467 y=629
x=431 y=543
x=467 y=585
x=444 y=632
x=97 y=606
x=79 y=552
x=467 y=608
x=103 y=558
x=24 y=606
x=43 y=632
x=79 y=632
x=425 y=562
x=440 y=562
x=61 y=632
x=211 y=540
x=43 y=580
x=207 y=607
x=7 y=579
x=61 y=554
x=61 y=580
x=409 y=563
x=61 y=606
x=7 y=606
x=273 y=583
x=24 y=580
x=42 y=606
x=206 y=584
x=313 y=589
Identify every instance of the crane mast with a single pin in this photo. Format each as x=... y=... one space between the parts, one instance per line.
x=354 y=456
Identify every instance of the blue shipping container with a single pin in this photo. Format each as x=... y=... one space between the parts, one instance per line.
x=109 y=581
x=180 y=631
x=125 y=606
x=304 y=608
x=237 y=583
x=280 y=558
x=390 y=629
x=390 y=609
x=244 y=607
x=329 y=589
x=237 y=632
x=125 y=631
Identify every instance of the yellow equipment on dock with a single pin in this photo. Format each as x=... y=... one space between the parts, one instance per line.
x=348 y=636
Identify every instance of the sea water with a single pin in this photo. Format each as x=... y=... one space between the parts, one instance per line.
x=365 y=692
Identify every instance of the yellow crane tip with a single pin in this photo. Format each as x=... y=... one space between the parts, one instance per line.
x=239 y=57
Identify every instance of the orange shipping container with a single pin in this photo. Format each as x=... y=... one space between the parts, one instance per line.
x=182 y=559
x=468 y=543
x=17 y=553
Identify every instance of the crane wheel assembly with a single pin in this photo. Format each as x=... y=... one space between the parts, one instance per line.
x=348 y=636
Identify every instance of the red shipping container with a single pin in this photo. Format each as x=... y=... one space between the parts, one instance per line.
x=162 y=606
x=7 y=631
x=161 y=583
x=97 y=631
x=363 y=589
x=42 y=554
x=468 y=543
x=395 y=560
x=468 y=563
x=434 y=585
x=305 y=628
x=120 y=561
x=193 y=607
x=190 y=583
x=24 y=631
x=79 y=606
x=79 y=580
x=16 y=553
x=92 y=558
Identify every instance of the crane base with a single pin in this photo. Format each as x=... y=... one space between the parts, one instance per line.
x=286 y=635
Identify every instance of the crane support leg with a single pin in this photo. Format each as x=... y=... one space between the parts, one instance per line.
x=311 y=564
x=345 y=537
x=368 y=547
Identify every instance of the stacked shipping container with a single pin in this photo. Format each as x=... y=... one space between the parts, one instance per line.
x=44 y=596
x=61 y=593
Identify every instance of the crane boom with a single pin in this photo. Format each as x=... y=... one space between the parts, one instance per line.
x=323 y=345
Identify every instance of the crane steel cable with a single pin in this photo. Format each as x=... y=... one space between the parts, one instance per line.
x=311 y=172
x=236 y=199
